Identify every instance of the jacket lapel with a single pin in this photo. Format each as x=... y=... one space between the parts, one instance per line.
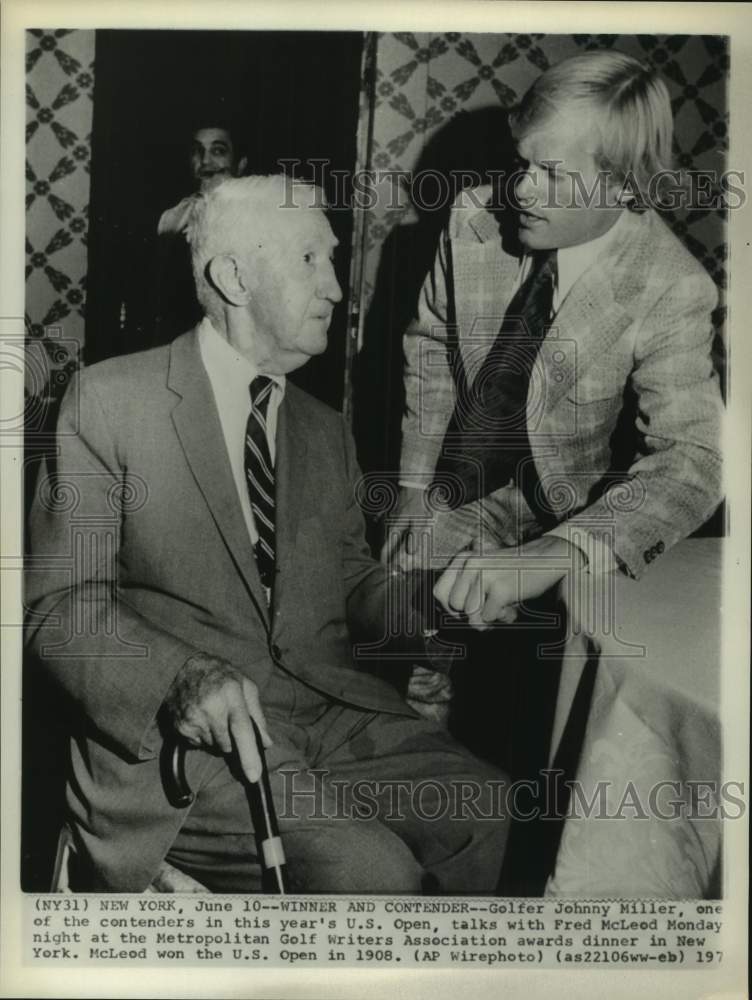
x=589 y=322
x=591 y=319
x=199 y=429
x=484 y=277
x=593 y=316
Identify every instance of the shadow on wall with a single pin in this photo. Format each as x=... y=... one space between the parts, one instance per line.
x=470 y=145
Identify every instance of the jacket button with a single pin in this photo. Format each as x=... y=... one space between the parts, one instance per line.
x=648 y=555
x=660 y=547
x=276 y=652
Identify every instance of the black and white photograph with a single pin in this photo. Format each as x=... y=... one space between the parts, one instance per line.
x=377 y=597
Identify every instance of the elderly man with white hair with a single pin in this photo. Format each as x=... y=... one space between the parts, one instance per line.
x=219 y=575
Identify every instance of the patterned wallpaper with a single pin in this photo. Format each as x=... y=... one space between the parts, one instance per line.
x=427 y=89
x=423 y=96
x=59 y=91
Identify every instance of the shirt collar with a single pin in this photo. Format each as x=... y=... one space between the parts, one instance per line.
x=222 y=360
x=572 y=262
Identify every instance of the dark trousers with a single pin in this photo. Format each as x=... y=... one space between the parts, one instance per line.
x=367 y=803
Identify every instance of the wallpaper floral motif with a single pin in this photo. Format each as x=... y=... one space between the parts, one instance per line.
x=414 y=87
x=59 y=92
x=419 y=84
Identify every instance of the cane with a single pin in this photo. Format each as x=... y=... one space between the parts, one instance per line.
x=261 y=806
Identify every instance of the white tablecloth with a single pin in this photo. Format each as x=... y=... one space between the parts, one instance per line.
x=654 y=719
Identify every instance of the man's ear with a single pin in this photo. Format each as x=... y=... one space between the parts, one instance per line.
x=228 y=278
x=624 y=198
x=628 y=191
x=240 y=169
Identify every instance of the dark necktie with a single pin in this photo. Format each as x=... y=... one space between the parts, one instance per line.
x=487 y=434
x=259 y=474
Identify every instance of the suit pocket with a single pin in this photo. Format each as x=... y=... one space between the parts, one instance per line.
x=594 y=407
x=601 y=379
x=597 y=390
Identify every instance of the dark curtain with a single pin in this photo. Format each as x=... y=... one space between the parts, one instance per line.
x=292 y=96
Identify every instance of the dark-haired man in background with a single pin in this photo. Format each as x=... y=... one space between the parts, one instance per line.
x=216 y=154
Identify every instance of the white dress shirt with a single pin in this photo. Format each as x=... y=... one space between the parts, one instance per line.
x=571 y=263
x=230 y=375
x=174 y=221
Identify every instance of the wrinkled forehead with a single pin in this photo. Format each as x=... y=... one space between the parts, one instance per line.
x=305 y=228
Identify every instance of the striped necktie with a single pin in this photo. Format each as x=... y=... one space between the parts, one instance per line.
x=259 y=474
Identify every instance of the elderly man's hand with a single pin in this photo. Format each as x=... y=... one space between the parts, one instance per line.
x=429 y=686
x=486 y=588
x=211 y=704
x=429 y=693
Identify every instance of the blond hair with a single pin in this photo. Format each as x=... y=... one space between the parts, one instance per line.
x=238 y=217
x=627 y=101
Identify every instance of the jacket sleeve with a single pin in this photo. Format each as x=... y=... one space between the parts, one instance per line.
x=675 y=483
x=111 y=661
x=382 y=604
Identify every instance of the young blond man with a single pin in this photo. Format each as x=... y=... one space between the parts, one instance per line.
x=586 y=435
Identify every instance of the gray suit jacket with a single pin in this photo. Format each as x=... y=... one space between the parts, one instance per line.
x=141 y=558
x=624 y=410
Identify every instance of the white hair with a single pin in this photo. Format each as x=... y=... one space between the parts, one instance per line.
x=238 y=217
